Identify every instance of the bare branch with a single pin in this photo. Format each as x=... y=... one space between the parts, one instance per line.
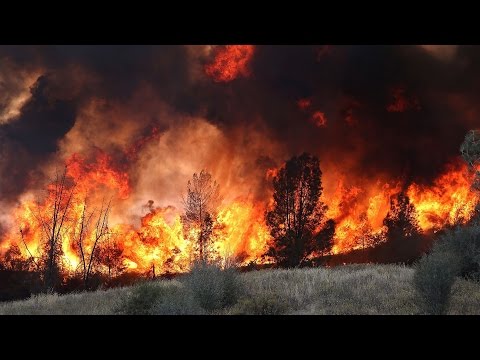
x=28 y=250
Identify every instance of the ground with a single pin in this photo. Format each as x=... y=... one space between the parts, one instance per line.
x=352 y=289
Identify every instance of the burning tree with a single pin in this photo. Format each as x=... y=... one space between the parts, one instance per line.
x=53 y=223
x=200 y=205
x=324 y=238
x=87 y=260
x=401 y=220
x=365 y=237
x=13 y=260
x=111 y=256
x=297 y=210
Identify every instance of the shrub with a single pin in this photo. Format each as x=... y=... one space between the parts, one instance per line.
x=433 y=280
x=464 y=243
x=457 y=252
x=176 y=301
x=152 y=298
x=262 y=304
x=213 y=288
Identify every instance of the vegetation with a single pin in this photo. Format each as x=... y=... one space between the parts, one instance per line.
x=268 y=303
x=470 y=150
x=158 y=298
x=297 y=211
x=200 y=205
x=213 y=288
x=456 y=253
x=354 y=289
x=433 y=280
x=401 y=220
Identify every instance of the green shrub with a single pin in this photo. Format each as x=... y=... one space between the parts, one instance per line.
x=457 y=252
x=464 y=243
x=153 y=298
x=213 y=288
x=140 y=300
x=176 y=301
x=232 y=287
x=433 y=280
x=261 y=304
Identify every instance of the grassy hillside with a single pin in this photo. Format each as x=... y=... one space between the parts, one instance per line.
x=353 y=289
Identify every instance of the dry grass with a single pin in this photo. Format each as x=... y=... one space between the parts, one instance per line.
x=354 y=289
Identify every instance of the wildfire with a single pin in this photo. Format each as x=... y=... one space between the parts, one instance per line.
x=240 y=232
x=87 y=181
x=230 y=62
x=90 y=176
x=244 y=234
x=161 y=240
x=448 y=201
x=319 y=119
x=401 y=102
x=304 y=103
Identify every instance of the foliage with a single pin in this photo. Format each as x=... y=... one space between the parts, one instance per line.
x=267 y=303
x=433 y=281
x=156 y=298
x=457 y=252
x=470 y=150
x=401 y=219
x=353 y=289
x=212 y=287
x=463 y=243
x=111 y=257
x=324 y=238
x=297 y=210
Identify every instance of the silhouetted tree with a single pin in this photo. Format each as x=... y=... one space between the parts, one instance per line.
x=297 y=210
x=87 y=260
x=200 y=204
x=365 y=237
x=53 y=222
x=401 y=220
x=324 y=238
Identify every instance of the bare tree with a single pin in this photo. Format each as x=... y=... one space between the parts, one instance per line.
x=200 y=206
x=53 y=222
x=99 y=233
x=32 y=258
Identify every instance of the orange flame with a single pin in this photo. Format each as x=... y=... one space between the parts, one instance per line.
x=240 y=231
x=230 y=62
x=94 y=179
x=448 y=201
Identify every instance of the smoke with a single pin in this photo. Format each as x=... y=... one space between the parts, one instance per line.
x=111 y=97
x=442 y=52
